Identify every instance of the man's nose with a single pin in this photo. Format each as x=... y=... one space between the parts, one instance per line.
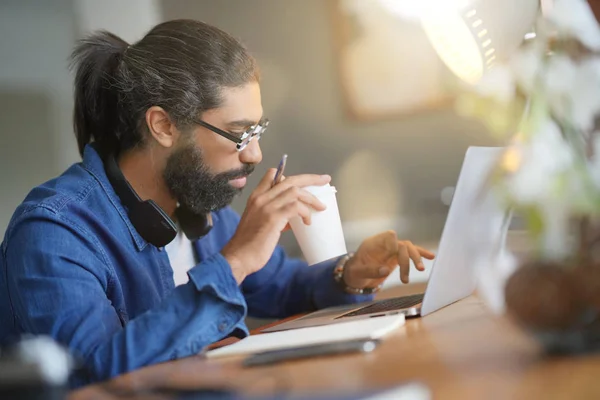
x=252 y=153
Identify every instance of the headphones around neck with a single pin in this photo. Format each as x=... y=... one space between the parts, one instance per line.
x=151 y=222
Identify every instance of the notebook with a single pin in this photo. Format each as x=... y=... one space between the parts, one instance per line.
x=372 y=328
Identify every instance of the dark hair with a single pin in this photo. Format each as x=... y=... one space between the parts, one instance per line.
x=180 y=65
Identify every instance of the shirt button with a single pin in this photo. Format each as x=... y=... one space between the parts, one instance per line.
x=222 y=326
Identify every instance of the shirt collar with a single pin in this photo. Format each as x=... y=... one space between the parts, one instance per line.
x=93 y=163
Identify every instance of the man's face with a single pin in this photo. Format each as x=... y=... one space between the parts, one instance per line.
x=205 y=171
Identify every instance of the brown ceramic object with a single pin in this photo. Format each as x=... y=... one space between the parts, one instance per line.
x=587 y=281
x=544 y=296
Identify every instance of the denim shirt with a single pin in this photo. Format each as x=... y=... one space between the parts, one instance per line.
x=72 y=266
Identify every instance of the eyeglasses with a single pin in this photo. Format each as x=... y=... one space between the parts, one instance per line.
x=245 y=138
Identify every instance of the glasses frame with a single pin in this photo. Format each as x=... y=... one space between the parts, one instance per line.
x=240 y=142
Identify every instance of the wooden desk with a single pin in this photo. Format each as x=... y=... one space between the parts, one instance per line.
x=459 y=352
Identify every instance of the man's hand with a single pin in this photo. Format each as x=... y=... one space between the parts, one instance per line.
x=378 y=256
x=267 y=213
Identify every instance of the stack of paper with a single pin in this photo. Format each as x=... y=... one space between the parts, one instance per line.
x=369 y=328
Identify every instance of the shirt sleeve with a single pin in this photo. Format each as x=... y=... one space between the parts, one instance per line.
x=286 y=286
x=58 y=279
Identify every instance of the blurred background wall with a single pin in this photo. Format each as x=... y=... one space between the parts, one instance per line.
x=36 y=38
x=389 y=172
x=35 y=96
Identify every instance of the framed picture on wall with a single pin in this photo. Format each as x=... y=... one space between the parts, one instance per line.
x=386 y=65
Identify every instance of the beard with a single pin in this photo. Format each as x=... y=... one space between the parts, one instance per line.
x=194 y=186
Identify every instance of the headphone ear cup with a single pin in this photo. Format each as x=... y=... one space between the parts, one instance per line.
x=149 y=218
x=193 y=225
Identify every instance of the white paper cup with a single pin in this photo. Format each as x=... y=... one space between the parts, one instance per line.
x=323 y=238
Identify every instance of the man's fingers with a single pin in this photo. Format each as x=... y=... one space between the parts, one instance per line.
x=266 y=181
x=425 y=253
x=291 y=206
x=414 y=255
x=297 y=181
x=403 y=262
x=283 y=199
x=304 y=212
x=295 y=193
x=307 y=180
x=310 y=200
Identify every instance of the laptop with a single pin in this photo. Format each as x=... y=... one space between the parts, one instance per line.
x=463 y=242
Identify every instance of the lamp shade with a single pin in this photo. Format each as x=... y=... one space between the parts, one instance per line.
x=471 y=36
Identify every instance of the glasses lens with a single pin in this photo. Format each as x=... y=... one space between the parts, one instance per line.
x=253 y=132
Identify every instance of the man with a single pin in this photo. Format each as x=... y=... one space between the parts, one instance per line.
x=177 y=116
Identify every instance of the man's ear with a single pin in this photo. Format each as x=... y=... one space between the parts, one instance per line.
x=161 y=127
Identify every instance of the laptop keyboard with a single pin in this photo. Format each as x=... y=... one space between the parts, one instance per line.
x=397 y=303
